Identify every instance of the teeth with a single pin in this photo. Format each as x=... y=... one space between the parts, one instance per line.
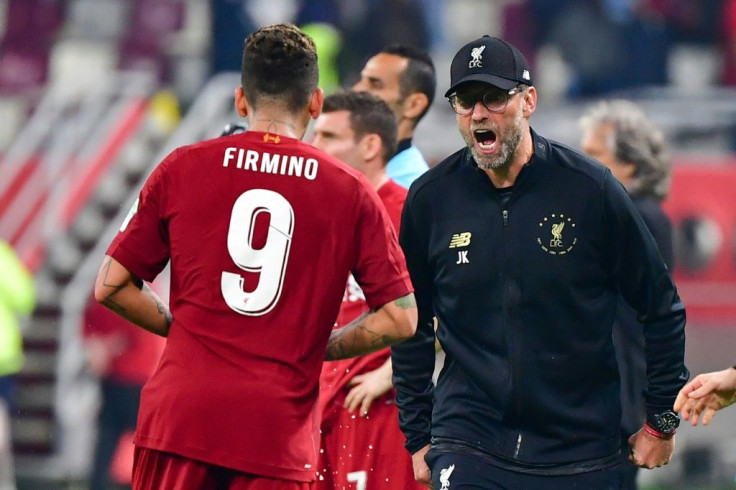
x=483 y=139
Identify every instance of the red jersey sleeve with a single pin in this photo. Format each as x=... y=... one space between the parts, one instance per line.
x=379 y=254
x=141 y=245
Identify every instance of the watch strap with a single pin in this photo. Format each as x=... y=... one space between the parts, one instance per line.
x=652 y=431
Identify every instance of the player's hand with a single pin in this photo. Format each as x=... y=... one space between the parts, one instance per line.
x=366 y=388
x=706 y=394
x=421 y=469
x=649 y=451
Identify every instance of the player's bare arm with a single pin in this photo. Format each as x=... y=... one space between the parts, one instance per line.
x=131 y=298
x=392 y=323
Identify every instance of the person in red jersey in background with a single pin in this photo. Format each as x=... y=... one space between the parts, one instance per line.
x=123 y=357
x=362 y=445
x=259 y=257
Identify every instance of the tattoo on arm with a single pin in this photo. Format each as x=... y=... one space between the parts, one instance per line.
x=347 y=342
x=109 y=300
x=160 y=306
x=105 y=272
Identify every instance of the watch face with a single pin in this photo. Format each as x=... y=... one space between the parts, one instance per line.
x=667 y=422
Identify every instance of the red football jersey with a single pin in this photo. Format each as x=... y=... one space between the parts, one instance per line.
x=262 y=232
x=362 y=452
x=336 y=374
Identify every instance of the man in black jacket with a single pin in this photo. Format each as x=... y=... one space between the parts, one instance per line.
x=522 y=262
x=618 y=134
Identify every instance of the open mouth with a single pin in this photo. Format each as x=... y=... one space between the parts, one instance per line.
x=485 y=139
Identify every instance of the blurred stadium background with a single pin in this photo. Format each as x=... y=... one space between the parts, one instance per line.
x=93 y=93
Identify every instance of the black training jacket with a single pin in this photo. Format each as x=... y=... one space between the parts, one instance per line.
x=525 y=297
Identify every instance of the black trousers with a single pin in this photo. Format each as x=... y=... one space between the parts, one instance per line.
x=627 y=470
x=118 y=413
x=459 y=471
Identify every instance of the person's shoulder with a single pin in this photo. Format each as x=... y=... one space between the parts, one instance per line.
x=650 y=208
x=183 y=153
x=568 y=158
x=392 y=188
x=410 y=156
x=430 y=179
x=392 y=192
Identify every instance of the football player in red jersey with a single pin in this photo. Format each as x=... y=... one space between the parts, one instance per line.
x=258 y=269
x=362 y=445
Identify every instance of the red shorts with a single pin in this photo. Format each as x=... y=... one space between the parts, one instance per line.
x=364 y=453
x=156 y=470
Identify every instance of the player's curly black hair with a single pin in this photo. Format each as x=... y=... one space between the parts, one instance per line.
x=280 y=63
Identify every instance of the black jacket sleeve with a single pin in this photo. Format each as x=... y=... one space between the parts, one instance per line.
x=413 y=360
x=646 y=284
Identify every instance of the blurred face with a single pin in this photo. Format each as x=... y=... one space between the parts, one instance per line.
x=493 y=137
x=380 y=76
x=596 y=143
x=334 y=135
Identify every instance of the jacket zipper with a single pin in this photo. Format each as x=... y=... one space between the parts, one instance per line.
x=505 y=214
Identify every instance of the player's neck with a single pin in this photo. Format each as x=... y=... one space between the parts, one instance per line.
x=405 y=129
x=282 y=124
x=377 y=178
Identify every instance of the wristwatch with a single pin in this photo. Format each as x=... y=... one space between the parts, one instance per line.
x=664 y=423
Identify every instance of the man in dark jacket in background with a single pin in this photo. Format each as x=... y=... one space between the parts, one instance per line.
x=522 y=262
x=619 y=135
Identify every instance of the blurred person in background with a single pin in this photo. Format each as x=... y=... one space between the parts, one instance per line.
x=404 y=77
x=361 y=439
x=122 y=356
x=369 y=25
x=706 y=394
x=728 y=41
x=233 y=401
x=17 y=299
x=529 y=396
x=231 y=22
x=618 y=134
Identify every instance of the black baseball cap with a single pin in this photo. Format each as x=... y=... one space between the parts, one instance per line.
x=490 y=60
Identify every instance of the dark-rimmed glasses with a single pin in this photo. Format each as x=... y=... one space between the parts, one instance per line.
x=493 y=100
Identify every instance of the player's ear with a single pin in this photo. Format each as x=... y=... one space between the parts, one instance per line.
x=530 y=101
x=371 y=146
x=315 y=103
x=241 y=103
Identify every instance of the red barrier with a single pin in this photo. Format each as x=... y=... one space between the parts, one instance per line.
x=702 y=205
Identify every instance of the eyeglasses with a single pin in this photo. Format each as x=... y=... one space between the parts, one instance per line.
x=494 y=100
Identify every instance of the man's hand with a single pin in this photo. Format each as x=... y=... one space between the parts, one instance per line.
x=649 y=451
x=421 y=469
x=368 y=387
x=706 y=394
